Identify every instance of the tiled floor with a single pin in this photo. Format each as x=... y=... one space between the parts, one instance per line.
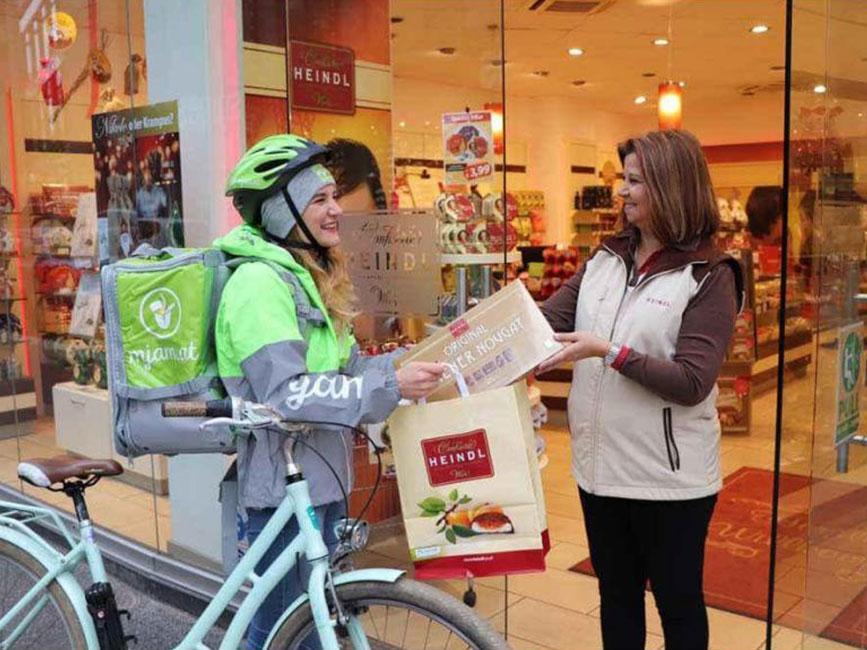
x=554 y=610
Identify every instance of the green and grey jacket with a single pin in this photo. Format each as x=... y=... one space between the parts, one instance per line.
x=276 y=345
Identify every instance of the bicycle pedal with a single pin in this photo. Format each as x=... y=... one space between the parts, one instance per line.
x=131 y=637
x=125 y=612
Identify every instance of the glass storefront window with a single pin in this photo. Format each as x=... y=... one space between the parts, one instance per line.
x=500 y=121
x=820 y=582
x=61 y=65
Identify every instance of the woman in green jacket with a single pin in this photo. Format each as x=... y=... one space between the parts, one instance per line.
x=284 y=338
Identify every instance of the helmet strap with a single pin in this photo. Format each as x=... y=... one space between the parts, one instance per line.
x=315 y=246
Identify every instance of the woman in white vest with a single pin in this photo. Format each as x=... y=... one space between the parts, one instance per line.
x=646 y=322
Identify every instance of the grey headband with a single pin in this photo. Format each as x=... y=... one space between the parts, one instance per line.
x=277 y=219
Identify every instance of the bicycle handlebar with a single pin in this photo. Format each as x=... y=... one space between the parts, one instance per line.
x=217 y=408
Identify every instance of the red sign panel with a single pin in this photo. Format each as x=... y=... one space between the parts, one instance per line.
x=457 y=458
x=458 y=327
x=322 y=78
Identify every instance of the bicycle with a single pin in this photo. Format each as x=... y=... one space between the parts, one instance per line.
x=44 y=606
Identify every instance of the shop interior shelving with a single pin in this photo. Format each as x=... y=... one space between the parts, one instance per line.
x=17 y=391
x=480 y=259
x=590 y=227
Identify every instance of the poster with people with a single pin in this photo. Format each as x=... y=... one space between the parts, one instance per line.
x=137 y=167
x=469 y=147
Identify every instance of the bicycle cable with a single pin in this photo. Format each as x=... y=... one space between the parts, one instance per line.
x=377 y=450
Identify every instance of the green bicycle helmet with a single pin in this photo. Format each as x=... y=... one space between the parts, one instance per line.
x=268 y=166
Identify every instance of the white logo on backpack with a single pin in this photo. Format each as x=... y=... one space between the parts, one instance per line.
x=160 y=312
x=338 y=387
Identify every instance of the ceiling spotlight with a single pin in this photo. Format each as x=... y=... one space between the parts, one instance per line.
x=759 y=29
x=641 y=99
x=682 y=84
x=402 y=124
x=777 y=68
x=575 y=51
x=648 y=74
x=578 y=82
x=448 y=51
x=661 y=42
x=541 y=73
x=820 y=89
x=396 y=19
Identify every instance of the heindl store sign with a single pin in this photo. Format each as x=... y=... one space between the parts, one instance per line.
x=322 y=78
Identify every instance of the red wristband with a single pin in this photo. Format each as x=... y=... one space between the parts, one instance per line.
x=620 y=359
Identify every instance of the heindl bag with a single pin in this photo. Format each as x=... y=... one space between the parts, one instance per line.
x=469 y=484
x=160 y=309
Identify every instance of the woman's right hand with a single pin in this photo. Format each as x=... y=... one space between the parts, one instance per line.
x=419 y=379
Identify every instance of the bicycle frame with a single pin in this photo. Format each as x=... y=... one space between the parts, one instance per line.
x=309 y=542
x=13 y=529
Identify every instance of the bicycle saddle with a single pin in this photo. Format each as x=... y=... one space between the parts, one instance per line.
x=43 y=472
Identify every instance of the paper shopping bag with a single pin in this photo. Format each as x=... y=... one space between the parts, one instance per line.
x=469 y=485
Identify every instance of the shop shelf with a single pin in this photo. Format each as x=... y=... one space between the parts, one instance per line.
x=770 y=348
x=55 y=294
x=480 y=259
x=58 y=331
x=16 y=386
x=36 y=216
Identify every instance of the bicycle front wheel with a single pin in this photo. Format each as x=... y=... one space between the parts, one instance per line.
x=405 y=614
x=55 y=625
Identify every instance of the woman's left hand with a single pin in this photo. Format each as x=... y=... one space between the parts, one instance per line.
x=577 y=346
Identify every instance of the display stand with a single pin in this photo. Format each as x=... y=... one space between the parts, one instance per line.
x=83 y=423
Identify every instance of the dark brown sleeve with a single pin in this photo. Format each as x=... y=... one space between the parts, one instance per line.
x=560 y=308
x=705 y=331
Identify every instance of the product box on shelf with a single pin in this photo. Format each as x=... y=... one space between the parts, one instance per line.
x=544 y=279
x=493 y=344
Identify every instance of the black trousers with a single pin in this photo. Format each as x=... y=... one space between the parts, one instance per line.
x=634 y=541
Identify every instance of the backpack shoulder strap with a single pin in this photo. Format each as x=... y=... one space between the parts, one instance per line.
x=305 y=311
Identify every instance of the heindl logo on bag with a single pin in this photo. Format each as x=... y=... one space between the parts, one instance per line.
x=458 y=457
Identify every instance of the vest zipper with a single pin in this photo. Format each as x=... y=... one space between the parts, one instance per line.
x=670 y=442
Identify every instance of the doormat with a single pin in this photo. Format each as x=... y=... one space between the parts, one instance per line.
x=850 y=625
x=738 y=549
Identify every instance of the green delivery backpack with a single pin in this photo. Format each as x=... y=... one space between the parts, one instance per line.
x=160 y=310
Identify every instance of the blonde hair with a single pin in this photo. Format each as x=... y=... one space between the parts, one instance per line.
x=333 y=284
x=683 y=205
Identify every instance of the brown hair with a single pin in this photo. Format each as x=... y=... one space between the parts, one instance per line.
x=683 y=206
x=333 y=284
x=764 y=209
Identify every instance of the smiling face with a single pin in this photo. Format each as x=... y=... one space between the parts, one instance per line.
x=633 y=191
x=322 y=216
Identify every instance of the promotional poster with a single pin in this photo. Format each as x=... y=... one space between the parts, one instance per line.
x=137 y=166
x=469 y=147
